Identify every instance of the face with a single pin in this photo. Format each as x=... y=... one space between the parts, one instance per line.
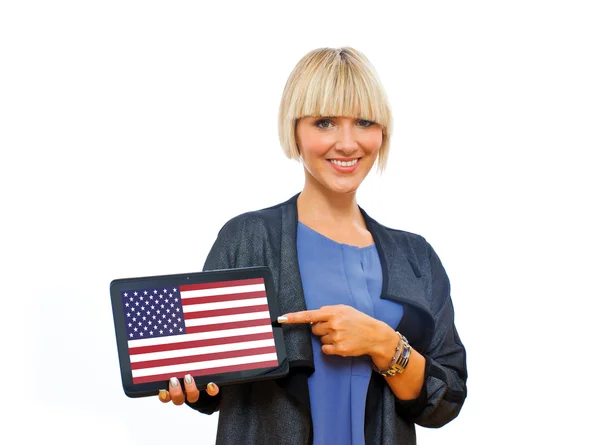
x=338 y=152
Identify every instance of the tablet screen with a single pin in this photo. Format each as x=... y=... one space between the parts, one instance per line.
x=205 y=324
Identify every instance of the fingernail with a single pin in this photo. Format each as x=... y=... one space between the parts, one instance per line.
x=174 y=381
x=282 y=319
x=188 y=379
x=162 y=394
x=211 y=386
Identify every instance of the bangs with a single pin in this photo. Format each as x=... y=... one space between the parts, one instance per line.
x=340 y=89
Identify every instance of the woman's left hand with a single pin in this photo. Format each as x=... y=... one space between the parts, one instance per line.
x=348 y=332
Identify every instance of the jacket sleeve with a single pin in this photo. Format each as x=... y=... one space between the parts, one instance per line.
x=444 y=390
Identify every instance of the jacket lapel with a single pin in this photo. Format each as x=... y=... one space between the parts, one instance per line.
x=403 y=282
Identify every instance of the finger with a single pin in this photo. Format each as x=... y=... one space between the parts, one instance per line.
x=212 y=389
x=328 y=349
x=176 y=392
x=321 y=328
x=191 y=390
x=163 y=396
x=313 y=316
x=327 y=340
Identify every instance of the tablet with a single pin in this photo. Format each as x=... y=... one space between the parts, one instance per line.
x=219 y=326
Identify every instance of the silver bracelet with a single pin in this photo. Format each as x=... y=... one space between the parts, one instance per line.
x=400 y=359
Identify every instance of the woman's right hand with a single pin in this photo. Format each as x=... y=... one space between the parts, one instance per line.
x=190 y=392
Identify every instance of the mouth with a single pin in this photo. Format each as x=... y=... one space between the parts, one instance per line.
x=349 y=163
x=344 y=165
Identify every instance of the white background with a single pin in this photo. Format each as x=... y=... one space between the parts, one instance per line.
x=132 y=131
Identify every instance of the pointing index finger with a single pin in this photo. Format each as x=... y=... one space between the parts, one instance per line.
x=313 y=316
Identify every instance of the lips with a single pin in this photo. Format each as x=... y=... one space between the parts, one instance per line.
x=344 y=165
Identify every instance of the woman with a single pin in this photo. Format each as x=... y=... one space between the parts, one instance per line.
x=368 y=319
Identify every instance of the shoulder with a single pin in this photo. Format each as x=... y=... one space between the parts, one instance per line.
x=257 y=221
x=407 y=241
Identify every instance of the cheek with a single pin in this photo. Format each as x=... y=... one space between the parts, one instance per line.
x=373 y=142
x=315 y=145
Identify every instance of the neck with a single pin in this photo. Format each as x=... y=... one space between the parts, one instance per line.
x=318 y=204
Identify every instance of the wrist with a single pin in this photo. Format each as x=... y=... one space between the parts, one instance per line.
x=384 y=348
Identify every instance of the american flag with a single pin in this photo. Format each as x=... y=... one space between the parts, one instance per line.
x=198 y=329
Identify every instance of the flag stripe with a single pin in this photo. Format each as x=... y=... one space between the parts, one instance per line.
x=223 y=291
x=159 y=355
x=202 y=357
x=219 y=298
x=199 y=343
x=190 y=322
x=234 y=325
x=224 y=305
x=204 y=365
x=208 y=371
x=231 y=331
x=215 y=284
x=228 y=311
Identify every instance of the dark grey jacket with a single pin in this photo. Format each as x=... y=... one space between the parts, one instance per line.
x=278 y=411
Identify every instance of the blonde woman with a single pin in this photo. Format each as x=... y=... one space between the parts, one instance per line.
x=368 y=319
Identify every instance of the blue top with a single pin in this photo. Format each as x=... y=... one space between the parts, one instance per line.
x=334 y=273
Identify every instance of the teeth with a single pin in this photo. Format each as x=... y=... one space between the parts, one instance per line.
x=343 y=163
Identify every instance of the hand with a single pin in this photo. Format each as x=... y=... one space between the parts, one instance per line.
x=192 y=394
x=348 y=332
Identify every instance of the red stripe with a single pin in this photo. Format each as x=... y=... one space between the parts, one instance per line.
x=200 y=343
x=187 y=287
x=231 y=325
x=226 y=311
x=220 y=298
x=202 y=357
x=209 y=371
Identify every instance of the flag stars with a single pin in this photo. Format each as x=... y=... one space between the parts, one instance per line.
x=153 y=313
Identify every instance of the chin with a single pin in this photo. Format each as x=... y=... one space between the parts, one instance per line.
x=342 y=189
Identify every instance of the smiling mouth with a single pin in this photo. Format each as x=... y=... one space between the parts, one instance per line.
x=344 y=163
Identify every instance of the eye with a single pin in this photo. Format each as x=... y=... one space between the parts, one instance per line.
x=323 y=123
x=364 y=123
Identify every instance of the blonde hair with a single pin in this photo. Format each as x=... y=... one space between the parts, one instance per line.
x=333 y=82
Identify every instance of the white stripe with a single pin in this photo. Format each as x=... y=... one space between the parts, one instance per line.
x=224 y=305
x=199 y=336
x=222 y=291
x=202 y=350
x=227 y=318
x=203 y=365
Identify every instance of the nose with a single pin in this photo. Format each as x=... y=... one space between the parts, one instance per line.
x=346 y=143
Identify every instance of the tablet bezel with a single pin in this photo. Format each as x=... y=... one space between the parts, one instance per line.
x=117 y=286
